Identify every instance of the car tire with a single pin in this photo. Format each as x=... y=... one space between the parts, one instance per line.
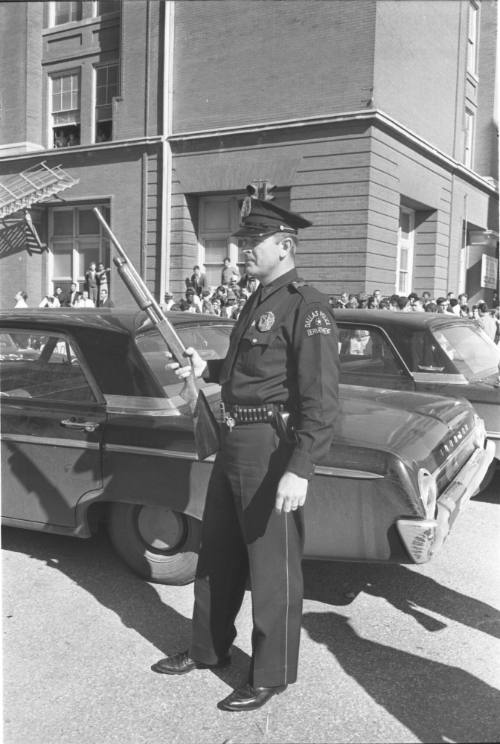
x=159 y=544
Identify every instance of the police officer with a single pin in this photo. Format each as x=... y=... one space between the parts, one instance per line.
x=280 y=401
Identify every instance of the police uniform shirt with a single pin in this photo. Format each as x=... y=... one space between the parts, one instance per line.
x=284 y=349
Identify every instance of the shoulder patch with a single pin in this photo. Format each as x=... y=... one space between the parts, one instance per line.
x=317 y=322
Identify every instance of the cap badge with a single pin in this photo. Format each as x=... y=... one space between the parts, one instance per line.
x=266 y=322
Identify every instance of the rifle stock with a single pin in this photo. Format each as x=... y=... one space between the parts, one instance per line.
x=206 y=430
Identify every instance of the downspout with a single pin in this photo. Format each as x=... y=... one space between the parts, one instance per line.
x=166 y=174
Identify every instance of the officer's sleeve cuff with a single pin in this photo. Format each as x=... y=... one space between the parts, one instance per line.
x=301 y=464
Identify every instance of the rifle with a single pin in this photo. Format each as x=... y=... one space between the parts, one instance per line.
x=206 y=430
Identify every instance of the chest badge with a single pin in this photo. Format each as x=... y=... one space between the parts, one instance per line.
x=266 y=322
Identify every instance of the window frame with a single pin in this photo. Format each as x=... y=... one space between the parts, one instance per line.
x=469 y=136
x=410 y=249
x=53 y=126
x=75 y=4
x=97 y=120
x=472 y=55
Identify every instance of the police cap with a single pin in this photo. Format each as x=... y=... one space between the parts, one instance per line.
x=259 y=218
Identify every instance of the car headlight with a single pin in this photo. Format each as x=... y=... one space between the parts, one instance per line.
x=427 y=488
x=478 y=432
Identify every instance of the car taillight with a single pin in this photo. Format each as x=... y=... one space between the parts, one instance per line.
x=427 y=488
x=478 y=432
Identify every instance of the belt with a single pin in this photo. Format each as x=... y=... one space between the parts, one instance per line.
x=235 y=414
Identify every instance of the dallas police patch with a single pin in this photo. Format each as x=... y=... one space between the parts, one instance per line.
x=317 y=322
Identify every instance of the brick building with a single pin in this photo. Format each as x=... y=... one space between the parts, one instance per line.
x=374 y=118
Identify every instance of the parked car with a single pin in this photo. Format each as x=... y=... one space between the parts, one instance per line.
x=94 y=430
x=426 y=352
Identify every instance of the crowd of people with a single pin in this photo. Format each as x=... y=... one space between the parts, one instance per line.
x=95 y=292
x=228 y=298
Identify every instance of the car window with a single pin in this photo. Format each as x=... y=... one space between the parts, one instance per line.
x=470 y=349
x=366 y=351
x=210 y=341
x=36 y=365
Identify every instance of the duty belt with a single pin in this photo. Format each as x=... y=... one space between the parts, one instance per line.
x=235 y=414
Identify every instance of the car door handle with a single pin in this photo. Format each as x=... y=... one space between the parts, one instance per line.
x=80 y=425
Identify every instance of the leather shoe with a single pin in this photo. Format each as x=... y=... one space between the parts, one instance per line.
x=249 y=698
x=182 y=663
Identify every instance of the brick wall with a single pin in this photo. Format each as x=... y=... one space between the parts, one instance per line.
x=239 y=62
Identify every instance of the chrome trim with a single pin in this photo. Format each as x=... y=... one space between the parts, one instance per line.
x=143 y=406
x=493 y=434
x=51 y=441
x=440 y=378
x=125 y=449
x=345 y=473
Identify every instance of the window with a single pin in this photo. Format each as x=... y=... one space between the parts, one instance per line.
x=469 y=136
x=472 y=37
x=366 y=351
x=106 y=87
x=65 y=109
x=43 y=367
x=75 y=240
x=219 y=218
x=404 y=259
x=65 y=12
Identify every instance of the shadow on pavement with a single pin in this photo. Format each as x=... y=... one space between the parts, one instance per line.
x=435 y=701
x=407 y=591
x=93 y=565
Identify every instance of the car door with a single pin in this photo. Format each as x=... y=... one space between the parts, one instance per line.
x=52 y=429
x=367 y=357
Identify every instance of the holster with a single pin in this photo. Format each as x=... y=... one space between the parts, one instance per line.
x=282 y=423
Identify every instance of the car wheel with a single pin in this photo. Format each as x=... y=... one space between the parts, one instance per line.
x=157 y=543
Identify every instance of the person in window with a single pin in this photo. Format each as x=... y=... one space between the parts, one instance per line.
x=228 y=271
x=21 y=299
x=60 y=138
x=91 y=285
x=73 y=139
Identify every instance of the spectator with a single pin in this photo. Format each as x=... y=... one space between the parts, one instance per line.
x=216 y=306
x=102 y=279
x=352 y=302
x=206 y=302
x=197 y=281
x=50 y=301
x=486 y=321
x=402 y=302
x=442 y=304
x=384 y=304
x=431 y=307
x=91 y=286
x=394 y=302
x=189 y=304
x=104 y=299
x=21 y=299
x=168 y=302
x=454 y=307
x=84 y=300
x=426 y=298
x=69 y=299
x=60 y=296
x=362 y=300
x=228 y=271
x=463 y=301
x=474 y=313
x=377 y=297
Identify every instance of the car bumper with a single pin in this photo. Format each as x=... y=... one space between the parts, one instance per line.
x=422 y=538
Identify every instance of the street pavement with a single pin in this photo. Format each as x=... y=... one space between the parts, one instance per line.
x=389 y=653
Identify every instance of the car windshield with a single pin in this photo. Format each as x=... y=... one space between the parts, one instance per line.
x=470 y=349
x=211 y=341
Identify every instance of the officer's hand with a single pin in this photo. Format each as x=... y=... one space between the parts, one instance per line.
x=196 y=367
x=291 y=493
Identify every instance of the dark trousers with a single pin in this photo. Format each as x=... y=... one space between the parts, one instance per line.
x=243 y=537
